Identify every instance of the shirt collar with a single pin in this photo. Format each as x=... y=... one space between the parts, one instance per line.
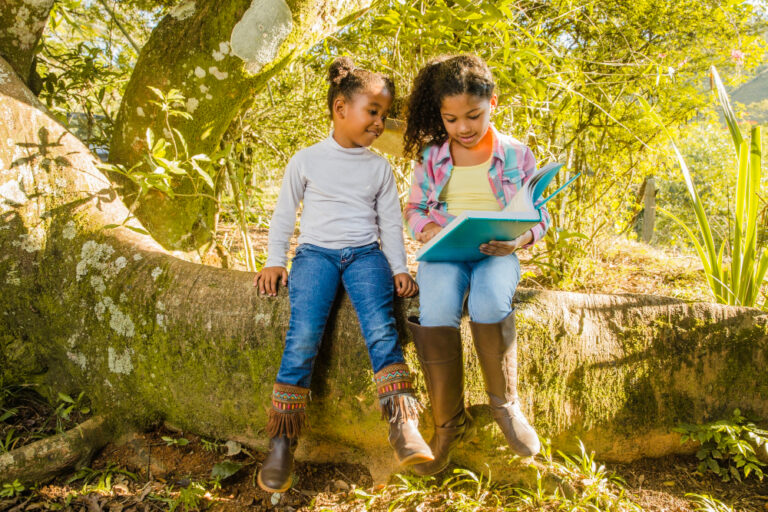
x=444 y=152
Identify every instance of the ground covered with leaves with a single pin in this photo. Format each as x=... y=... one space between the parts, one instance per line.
x=170 y=470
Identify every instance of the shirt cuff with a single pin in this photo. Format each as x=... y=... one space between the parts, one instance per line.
x=537 y=231
x=275 y=261
x=418 y=226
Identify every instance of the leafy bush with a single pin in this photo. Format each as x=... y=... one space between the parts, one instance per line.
x=740 y=281
x=727 y=446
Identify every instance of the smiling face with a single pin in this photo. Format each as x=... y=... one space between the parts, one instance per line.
x=467 y=117
x=359 y=120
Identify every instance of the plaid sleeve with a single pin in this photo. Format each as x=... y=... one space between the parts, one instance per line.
x=416 y=210
x=527 y=169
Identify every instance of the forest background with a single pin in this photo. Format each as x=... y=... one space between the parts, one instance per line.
x=569 y=75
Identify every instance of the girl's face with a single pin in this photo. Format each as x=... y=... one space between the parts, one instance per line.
x=359 y=120
x=466 y=117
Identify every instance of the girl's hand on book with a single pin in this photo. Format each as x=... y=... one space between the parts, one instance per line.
x=405 y=286
x=269 y=278
x=428 y=232
x=499 y=248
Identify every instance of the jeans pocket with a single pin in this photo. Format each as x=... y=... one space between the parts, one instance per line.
x=299 y=249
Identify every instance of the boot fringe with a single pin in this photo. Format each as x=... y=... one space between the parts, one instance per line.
x=289 y=424
x=400 y=408
x=287 y=416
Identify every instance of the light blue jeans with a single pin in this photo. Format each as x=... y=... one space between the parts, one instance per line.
x=443 y=286
x=316 y=274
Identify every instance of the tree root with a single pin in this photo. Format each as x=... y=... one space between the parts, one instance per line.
x=42 y=460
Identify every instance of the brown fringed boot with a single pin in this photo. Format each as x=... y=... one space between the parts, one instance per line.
x=284 y=425
x=394 y=385
x=440 y=354
x=497 y=351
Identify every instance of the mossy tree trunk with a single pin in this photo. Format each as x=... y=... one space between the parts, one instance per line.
x=21 y=25
x=150 y=337
x=218 y=55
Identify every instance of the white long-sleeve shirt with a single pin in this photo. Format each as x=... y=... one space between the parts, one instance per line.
x=349 y=197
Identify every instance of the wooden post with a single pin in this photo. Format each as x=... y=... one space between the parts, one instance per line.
x=649 y=210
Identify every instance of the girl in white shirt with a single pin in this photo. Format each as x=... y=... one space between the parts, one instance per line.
x=350 y=207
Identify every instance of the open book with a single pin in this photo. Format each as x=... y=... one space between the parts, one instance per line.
x=460 y=240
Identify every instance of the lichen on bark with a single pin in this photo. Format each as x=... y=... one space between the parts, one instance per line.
x=21 y=25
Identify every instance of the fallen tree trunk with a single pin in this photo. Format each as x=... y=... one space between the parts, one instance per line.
x=48 y=457
x=150 y=337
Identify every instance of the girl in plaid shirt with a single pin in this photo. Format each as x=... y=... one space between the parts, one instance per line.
x=465 y=164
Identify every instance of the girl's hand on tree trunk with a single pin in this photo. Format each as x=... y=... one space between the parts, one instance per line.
x=405 y=286
x=268 y=280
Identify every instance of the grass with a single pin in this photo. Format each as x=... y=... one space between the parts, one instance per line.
x=568 y=482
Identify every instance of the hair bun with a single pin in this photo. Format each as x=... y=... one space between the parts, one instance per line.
x=340 y=69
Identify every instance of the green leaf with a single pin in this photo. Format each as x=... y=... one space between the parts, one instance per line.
x=206 y=177
x=137 y=230
x=224 y=470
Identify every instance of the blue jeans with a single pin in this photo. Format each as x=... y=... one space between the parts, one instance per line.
x=491 y=282
x=312 y=285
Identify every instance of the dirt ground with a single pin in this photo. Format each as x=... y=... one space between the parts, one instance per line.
x=153 y=471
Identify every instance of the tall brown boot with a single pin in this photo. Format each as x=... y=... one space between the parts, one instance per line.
x=284 y=425
x=440 y=355
x=400 y=408
x=496 y=347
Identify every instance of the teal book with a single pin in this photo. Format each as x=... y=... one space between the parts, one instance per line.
x=460 y=240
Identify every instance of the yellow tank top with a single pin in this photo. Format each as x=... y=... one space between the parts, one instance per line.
x=468 y=188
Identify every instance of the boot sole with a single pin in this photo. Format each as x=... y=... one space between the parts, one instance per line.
x=433 y=471
x=270 y=489
x=416 y=458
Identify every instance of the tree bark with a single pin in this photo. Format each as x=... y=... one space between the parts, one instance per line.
x=150 y=337
x=21 y=25
x=219 y=55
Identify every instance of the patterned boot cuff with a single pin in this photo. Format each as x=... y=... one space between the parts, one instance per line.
x=287 y=415
x=393 y=380
x=395 y=387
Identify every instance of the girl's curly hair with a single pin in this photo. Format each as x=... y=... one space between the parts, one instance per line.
x=347 y=80
x=441 y=77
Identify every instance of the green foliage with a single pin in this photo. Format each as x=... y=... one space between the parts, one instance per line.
x=581 y=483
x=223 y=470
x=99 y=480
x=161 y=167
x=738 y=283
x=705 y=503
x=210 y=446
x=9 y=442
x=11 y=490
x=573 y=483
x=175 y=441
x=66 y=405
x=727 y=446
x=86 y=56
x=187 y=498
x=566 y=72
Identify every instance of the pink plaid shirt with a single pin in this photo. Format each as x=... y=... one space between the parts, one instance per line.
x=512 y=165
